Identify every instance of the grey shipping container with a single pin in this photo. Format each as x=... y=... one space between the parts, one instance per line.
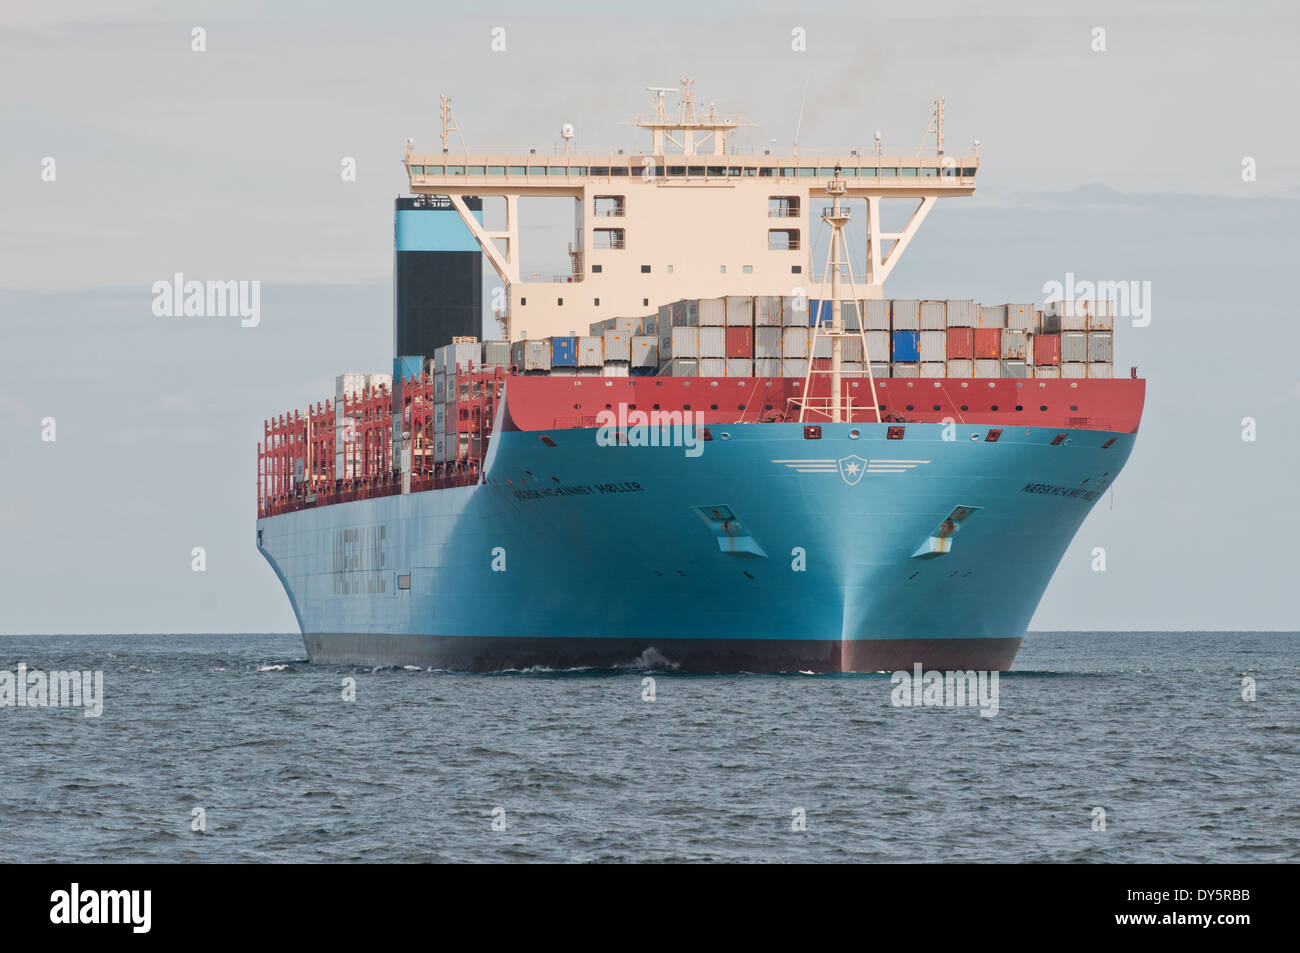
x=822 y=347
x=767 y=367
x=1047 y=371
x=1101 y=346
x=767 y=311
x=852 y=369
x=439 y=447
x=713 y=313
x=901 y=369
x=1074 y=346
x=530 y=354
x=934 y=368
x=880 y=369
x=496 y=354
x=713 y=343
x=934 y=346
x=713 y=367
x=877 y=314
x=440 y=388
x=591 y=351
x=1074 y=370
x=684 y=367
x=767 y=342
x=650 y=325
x=851 y=348
x=439 y=418
x=645 y=350
x=905 y=314
x=794 y=367
x=665 y=316
x=740 y=367
x=988 y=368
x=1101 y=369
x=851 y=315
x=1015 y=345
x=962 y=313
x=1015 y=369
x=628 y=326
x=934 y=315
x=1020 y=315
x=961 y=367
x=740 y=311
x=794 y=342
x=685 y=343
x=618 y=346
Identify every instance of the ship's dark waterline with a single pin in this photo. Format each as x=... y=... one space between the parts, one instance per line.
x=1150 y=727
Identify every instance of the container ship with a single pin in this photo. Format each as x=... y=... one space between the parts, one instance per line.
x=692 y=449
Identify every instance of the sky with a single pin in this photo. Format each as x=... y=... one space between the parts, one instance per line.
x=1117 y=164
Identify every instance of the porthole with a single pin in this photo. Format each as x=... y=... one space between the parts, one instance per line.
x=994 y=407
x=854 y=434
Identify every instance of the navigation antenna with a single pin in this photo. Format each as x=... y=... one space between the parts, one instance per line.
x=449 y=123
x=936 y=127
x=836 y=406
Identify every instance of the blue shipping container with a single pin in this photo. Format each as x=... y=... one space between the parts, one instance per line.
x=907 y=346
x=820 y=311
x=564 y=352
x=407 y=366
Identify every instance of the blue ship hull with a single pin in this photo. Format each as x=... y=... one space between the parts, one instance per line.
x=766 y=552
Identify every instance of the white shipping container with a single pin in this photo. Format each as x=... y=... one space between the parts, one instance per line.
x=460 y=356
x=1074 y=370
x=962 y=313
x=1103 y=369
x=592 y=371
x=617 y=368
x=713 y=312
x=767 y=367
x=1100 y=346
x=1046 y=371
x=591 y=350
x=529 y=354
x=767 y=342
x=740 y=311
x=618 y=346
x=877 y=345
x=880 y=368
x=1015 y=345
x=767 y=311
x=684 y=367
x=993 y=316
x=853 y=369
x=1015 y=369
x=628 y=326
x=876 y=314
x=934 y=346
x=934 y=315
x=1074 y=346
x=987 y=368
x=901 y=369
x=1103 y=322
x=823 y=347
x=713 y=343
x=645 y=351
x=961 y=367
x=906 y=314
x=794 y=343
x=794 y=367
x=934 y=368
x=740 y=367
x=685 y=343
x=349 y=384
x=376 y=381
x=851 y=348
x=794 y=312
x=713 y=367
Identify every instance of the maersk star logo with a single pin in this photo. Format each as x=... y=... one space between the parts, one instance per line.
x=852 y=468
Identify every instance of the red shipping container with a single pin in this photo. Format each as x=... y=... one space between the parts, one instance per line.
x=988 y=344
x=740 y=342
x=1047 y=349
x=961 y=343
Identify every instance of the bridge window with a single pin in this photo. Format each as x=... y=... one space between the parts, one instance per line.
x=783 y=239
